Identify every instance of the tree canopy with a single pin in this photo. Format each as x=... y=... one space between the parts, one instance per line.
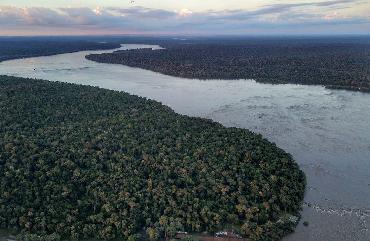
x=336 y=64
x=78 y=162
x=16 y=48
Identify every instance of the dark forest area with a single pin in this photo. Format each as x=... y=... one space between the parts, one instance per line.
x=340 y=64
x=17 y=48
x=78 y=162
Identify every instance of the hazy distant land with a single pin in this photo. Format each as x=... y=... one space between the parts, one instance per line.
x=17 y=48
x=336 y=64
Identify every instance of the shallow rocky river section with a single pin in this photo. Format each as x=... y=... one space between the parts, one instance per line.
x=327 y=131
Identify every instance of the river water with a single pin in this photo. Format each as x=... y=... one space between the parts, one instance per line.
x=327 y=131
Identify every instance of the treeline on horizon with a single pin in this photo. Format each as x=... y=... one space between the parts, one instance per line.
x=79 y=162
x=334 y=63
x=17 y=48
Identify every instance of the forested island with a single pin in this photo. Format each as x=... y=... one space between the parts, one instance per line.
x=80 y=162
x=16 y=48
x=337 y=64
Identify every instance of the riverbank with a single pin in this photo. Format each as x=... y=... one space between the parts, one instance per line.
x=334 y=65
x=29 y=47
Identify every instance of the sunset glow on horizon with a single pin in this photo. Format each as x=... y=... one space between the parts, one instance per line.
x=167 y=17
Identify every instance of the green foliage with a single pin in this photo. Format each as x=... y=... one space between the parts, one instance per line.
x=333 y=64
x=36 y=237
x=152 y=233
x=80 y=162
x=134 y=237
x=170 y=225
x=190 y=238
x=16 y=48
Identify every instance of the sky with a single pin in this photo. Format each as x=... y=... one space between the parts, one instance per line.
x=184 y=17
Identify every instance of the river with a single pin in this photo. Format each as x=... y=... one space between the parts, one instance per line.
x=326 y=131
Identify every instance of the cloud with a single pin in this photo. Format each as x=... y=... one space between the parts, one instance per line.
x=141 y=12
x=277 y=18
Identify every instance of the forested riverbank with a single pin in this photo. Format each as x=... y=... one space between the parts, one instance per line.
x=336 y=65
x=80 y=162
x=17 y=48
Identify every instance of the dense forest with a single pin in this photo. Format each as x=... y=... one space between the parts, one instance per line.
x=16 y=48
x=78 y=162
x=334 y=64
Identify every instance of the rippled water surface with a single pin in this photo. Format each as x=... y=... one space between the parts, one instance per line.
x=327 y=131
